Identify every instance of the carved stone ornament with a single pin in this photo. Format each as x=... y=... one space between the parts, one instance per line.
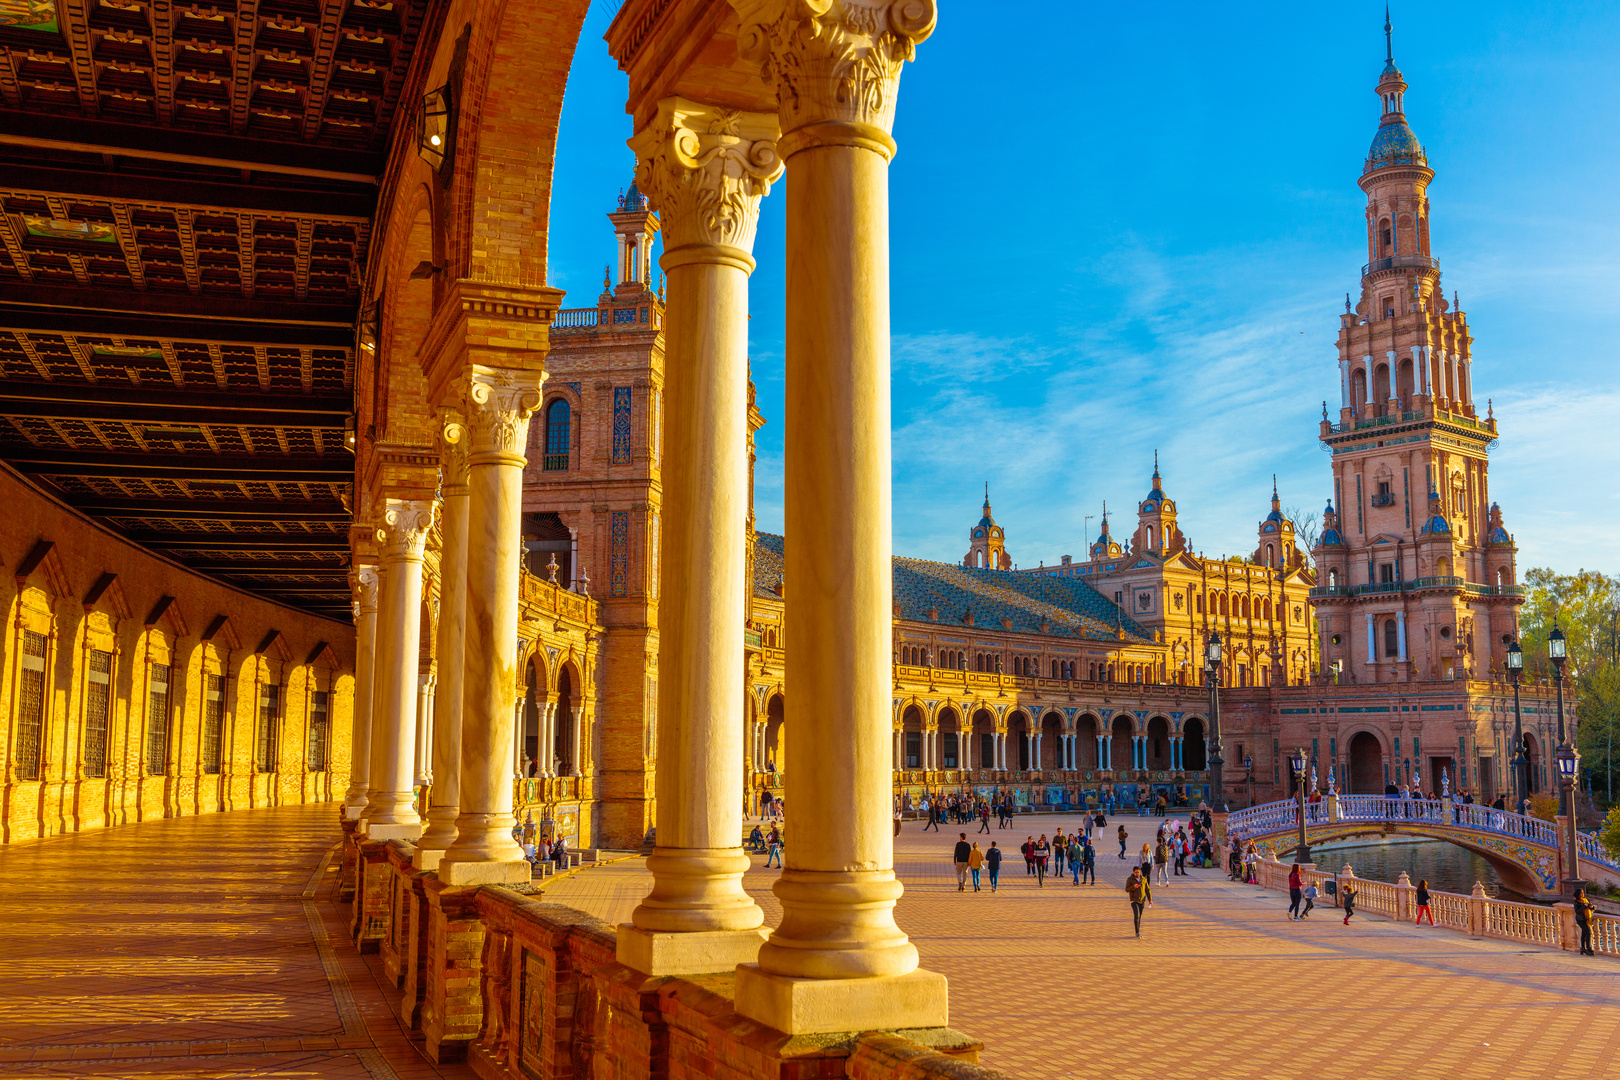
x=452 y=446
x=363 y=583
x=705 y=170
x=834 y=60
x=405 y=528
x=499 y=404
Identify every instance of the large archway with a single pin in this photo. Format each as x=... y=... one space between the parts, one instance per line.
x=1158 y=744
x=565 y=746
x=1119 y=750
x=775 y=742
x=911 y=738
x=1085 y=734
x=984 y=738
x=1052 y=755
x=1194 y=747
x=1366 y=764
x=951 y=743
x=1018 y=734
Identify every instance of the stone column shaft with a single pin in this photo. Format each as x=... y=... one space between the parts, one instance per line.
x=363 y=581
x=705 y=171
x=447 y=701
x=499 y=404
x=391 y=813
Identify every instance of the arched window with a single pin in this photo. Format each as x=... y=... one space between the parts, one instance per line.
x=1271 y=555
x=559 y=436
x=1149 y=535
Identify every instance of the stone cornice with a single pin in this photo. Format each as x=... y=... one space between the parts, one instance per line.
x=490 y=324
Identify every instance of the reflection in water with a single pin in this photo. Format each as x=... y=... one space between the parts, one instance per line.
x=1448 y=867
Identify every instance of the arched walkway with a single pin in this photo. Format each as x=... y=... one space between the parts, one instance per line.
x=1120 y=744
x=1366 y=764
x=1085 y=728
x=1194 y=749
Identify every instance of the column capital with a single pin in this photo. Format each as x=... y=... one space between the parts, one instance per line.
x=451 y=442
x=363 y=584
x=835 y=63
x=404 y=530
x=499 y=404
x=705 y=168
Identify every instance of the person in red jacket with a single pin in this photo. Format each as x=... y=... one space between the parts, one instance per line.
x=1296 y=891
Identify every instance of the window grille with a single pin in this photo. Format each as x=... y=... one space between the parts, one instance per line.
x=317 y=731
x=31 y=706
x=157 y=720
x=559 y=433
x=269 y=719
x=213 y=732
x=97 y=702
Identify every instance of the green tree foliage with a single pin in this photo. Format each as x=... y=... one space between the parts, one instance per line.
x=1586 y=606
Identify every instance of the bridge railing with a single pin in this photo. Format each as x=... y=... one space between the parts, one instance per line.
x=1281 y=816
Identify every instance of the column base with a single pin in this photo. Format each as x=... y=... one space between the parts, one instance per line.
x=377 y=830
x=819 y=1006
x=485 y=873
x=706 y=952
x=352 y=813
x=425 y=859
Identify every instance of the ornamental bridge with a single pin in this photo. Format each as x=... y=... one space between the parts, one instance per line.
x=1527 y=853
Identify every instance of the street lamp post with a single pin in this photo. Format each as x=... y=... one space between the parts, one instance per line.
x=1248 y=770
x=1212 y=655
x=1568 y=762
x=1521 y=764
x=1302 y=854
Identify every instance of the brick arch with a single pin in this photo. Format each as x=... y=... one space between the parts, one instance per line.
x=506 y=138
x=403 y=413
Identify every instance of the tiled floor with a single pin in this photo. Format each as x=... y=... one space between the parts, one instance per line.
x=1221 y=983
x=195 y=947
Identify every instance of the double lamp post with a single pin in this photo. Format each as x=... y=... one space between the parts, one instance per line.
x=1566 y=756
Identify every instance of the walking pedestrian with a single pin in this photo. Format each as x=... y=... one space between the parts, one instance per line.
x=984 y=818
x=992 y=862
x=1075 y=853
x=975 y=862
x=1423 y=903
x=1088 y=861
x=1028 y=850
x=1295 y=892
x=1060 y=850
x=1349 y=896
x=1583 y=919
x=774 y=848
x=1161 y=859
x=1123 y=836
x=928 y=812
x=1310 y=900
x=1140 y=891
x=1182 y=848
x=964 y=851
x=1042 y=850
x=1144 y=859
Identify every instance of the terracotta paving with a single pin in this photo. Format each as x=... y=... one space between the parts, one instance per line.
x=193 y=947
x=1221 y=983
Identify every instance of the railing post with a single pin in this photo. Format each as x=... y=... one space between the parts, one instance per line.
x=1569 y=937
x=1403 y=897
x=1477 y=902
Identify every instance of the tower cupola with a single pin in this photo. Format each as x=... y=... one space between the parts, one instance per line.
x=1156 y=531
x=987 y=546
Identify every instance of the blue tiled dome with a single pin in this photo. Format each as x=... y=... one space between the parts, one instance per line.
x=1331 y=538
x=1395 y=144
x=1436 y=524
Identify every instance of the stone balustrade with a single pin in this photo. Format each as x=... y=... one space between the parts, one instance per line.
x=1476 y=914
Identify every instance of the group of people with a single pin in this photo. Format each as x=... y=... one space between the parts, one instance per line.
x=545 y=849
x=1075 y=850
x=767 y=844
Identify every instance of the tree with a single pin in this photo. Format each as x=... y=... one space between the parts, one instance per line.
x=1307 y=530
x=1586 y=607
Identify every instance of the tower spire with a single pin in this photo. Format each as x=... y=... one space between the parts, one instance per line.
x=1389 y=38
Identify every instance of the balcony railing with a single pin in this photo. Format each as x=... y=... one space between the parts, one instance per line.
x=1329 y=590
x=1397 y=262
x=1375 y=588
x=569 y=318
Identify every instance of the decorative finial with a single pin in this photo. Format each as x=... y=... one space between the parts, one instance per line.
x=1490 y=410
x=551 y=569
x=584 y=583
x=1455 y=304
x=1347 y=308
x=1324 y=409
x=607 y=277
x=1389 y=38
x=1273 y=485
x=987 y=491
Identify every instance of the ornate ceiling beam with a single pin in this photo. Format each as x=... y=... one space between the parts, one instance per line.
x=320 y=75
x=201 y=313
x=343 y=205
x=245 y=568
x=127 y=403
x=160 y=540
x=213 y=509
x=189 y=147
x=154 y=466
x=242 y=57
x=43 y=319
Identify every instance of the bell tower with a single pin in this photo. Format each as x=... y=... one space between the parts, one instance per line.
x=987 y=544
x=1419 y=576
x=1156 y=531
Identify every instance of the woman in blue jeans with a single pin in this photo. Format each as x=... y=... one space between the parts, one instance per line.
x=992 y=863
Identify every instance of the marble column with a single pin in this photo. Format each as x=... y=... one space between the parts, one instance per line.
x=705 y=170
x=424 y=730
x=446 y=793
x=363 y=582
x=391 y=813
x=499 y=404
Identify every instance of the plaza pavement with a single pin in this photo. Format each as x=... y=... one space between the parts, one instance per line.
x=1221 y=985
x=207 y=947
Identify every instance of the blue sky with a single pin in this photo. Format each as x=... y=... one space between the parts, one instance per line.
x=1115 y=232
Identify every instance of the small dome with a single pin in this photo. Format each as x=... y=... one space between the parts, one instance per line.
x=1395 y=144
x=1436 y=524
x=1331 y=538
x=985 y=521
x=1390 y=72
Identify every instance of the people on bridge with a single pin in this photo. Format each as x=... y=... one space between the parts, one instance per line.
x=1583 y=919
x=1423 y=902
x=1140 y=891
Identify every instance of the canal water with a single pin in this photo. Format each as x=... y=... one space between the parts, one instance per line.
x=1448 y=867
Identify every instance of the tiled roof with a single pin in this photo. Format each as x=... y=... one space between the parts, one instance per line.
x=1069 y=606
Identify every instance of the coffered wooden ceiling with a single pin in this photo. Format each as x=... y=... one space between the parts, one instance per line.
x=187 y=194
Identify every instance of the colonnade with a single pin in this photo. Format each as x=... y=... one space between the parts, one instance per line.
x=837 y=961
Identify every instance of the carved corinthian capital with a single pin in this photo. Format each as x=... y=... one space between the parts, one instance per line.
x=363 y=585
x=452 y=447
x=834 y=61
x=499 y=404
x=405 y=528
x=705 y=170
